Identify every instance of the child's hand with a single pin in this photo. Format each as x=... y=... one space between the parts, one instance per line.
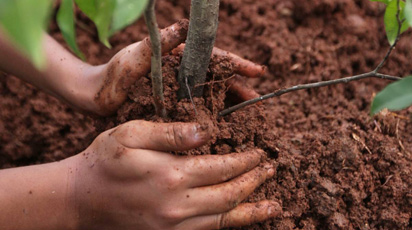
x=127 y=180
x=102 y=89
x=133 y=62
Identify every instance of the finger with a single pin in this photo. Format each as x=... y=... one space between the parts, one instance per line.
x=131 y=63
x=241 y=89
x=138 y=56
x=213 y=169
x=224 y=197
x=161 y=136
x=242 y=215
x=240 y=66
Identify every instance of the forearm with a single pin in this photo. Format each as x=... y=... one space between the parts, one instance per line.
x=64 y=76
x=37 y=197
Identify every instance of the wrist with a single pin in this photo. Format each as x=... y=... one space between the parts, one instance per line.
x=38 y=197
x=82 y=89
x=70 y=214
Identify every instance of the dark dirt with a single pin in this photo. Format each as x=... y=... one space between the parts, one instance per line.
x=336 y=167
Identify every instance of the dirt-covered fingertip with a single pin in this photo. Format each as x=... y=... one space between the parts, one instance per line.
x=247 y=68
x=270 y=170
x=201 y=133
x=263 y=155
x=174 y=35
x=274 y=209
x=250 y=213
x=263 y=70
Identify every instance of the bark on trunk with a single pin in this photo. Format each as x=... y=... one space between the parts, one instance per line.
x=199 y=44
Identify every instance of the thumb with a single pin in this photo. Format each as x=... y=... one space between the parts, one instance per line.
x=161 y=136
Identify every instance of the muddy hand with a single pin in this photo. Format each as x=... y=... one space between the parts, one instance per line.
x=127 y=180
x=130 y=64
x=243 y=67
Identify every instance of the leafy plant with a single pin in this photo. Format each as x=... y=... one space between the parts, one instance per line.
x=398 y=95
x=25 y=20
x=391 y=18
x=65 y=20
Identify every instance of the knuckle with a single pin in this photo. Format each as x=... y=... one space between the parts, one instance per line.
x=232 y=199
x=129 y=128
x=174 y=134
x=172 y=215
x=226 y=176
x=134 y=126
x=173 y=181
x=221 y=220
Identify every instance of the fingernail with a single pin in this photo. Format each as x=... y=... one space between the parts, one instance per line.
x=200 y=131
x=274 y=209
x=269 y=169
x=260 y=151
x=262 y=154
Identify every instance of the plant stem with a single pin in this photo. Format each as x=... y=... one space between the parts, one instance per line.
x=199 y=44
x=400 y=22
x=156 y=59
x=307 y=86
x=373 y=73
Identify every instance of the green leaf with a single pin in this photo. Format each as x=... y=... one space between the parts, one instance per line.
x=100 y=12
x=24 y=22
x=408 y=12
x=65 y=20
x=126 y=12
x=391 y=21
x=395 y=96
x=88 y=7
x=384 y=1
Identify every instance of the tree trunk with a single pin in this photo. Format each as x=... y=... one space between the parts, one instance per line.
x=199 y=44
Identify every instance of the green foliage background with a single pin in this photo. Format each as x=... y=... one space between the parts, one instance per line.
x=24 y=21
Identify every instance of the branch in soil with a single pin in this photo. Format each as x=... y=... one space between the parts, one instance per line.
x=373 y=73
x=307 y=86
x=199 y=45
x=156 y=59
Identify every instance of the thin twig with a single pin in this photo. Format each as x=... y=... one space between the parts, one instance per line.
x=214 y=82
x=156 y=68
x=398 y=33
x=307 y=86
x=373 y=73
x=190 y=96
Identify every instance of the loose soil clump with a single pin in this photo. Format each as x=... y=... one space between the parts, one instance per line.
x=336 y=167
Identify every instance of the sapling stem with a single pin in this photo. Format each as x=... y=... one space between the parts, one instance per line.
x=199 y=45
x=156 y=59
x=398 y=33
x=375 y=73
x=306 y=86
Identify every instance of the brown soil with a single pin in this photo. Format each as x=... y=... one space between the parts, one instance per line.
x=337 y=168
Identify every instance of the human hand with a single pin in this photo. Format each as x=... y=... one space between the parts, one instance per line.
x=125 y=180
x=133 y=62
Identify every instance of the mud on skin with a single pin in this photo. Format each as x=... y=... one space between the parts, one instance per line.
x=325 y=179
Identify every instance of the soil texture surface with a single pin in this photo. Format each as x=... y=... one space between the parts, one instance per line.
x=336 y=166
